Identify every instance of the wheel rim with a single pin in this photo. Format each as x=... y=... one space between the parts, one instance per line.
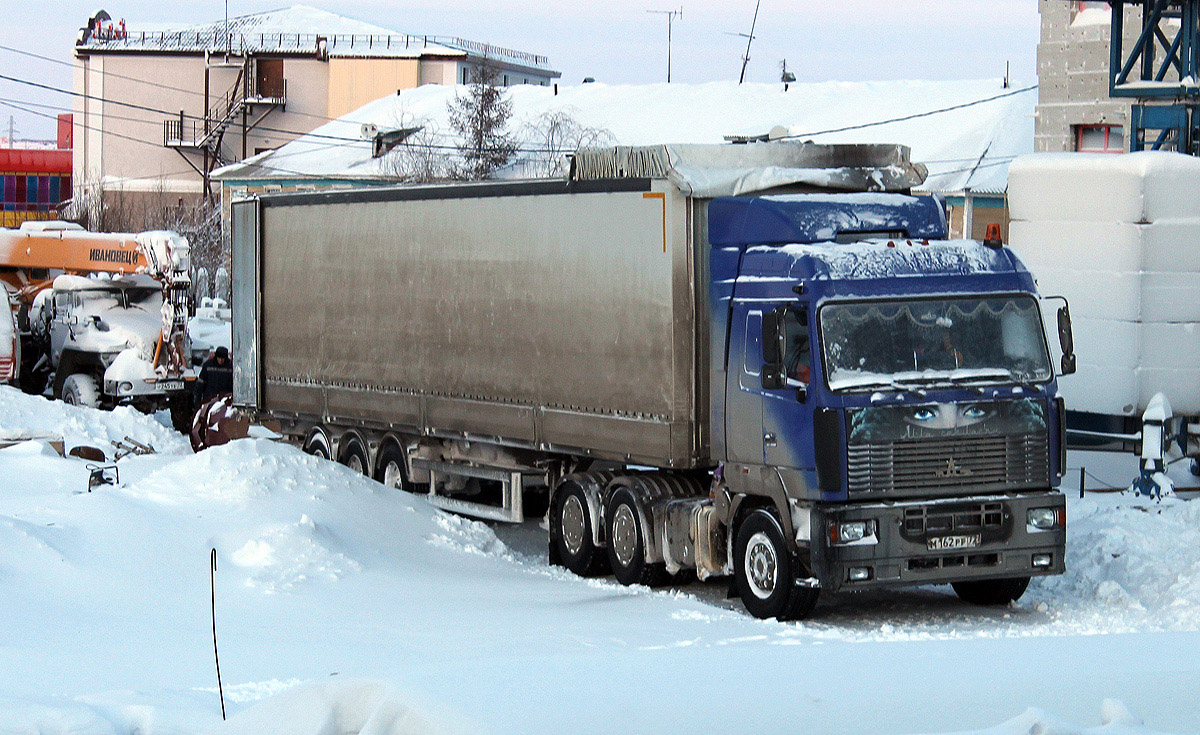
x=761 y=565
x=624 y=538
x=393 y=475
x=355 y=463
x=574 y=524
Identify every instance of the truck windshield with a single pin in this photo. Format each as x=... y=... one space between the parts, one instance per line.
x=898 y=344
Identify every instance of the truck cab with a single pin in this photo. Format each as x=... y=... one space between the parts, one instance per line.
x=101 y=336
x=889 y=398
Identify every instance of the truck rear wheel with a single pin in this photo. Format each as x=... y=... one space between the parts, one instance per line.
x=317 y=445
x=627 y=544
x=571 y=532
x=991 y=591
x=81 y=390
x=390 y=470
x=355 y=457
x=765 y=571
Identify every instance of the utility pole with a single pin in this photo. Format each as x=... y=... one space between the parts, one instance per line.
x=749 y=40
x=12 y=131
x=671 y=15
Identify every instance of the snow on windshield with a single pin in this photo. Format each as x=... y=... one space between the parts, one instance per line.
x=893 y=343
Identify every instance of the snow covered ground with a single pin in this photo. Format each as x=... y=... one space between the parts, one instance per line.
x=344 y=607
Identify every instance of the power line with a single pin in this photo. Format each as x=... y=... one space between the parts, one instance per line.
x=282 y=131
x=914 y=116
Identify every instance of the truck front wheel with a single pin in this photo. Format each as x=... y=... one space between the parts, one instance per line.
x=765 y=571
x=991 y=591
x=81 y=390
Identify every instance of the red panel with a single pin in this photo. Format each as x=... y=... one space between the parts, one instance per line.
x=65 y=131
x=35 y=161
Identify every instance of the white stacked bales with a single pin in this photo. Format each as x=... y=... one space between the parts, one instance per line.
x=1118 y=235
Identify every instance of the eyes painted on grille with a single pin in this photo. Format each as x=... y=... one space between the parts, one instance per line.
x=947 y=415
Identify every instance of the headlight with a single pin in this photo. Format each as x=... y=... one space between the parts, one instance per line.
x=1044 y=519
x=125 y=387
x=852 y=532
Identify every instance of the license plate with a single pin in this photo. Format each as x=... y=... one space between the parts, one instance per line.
x=170 y=385
x=942 y=543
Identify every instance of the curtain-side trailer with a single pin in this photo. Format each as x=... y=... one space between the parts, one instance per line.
x=708 y=358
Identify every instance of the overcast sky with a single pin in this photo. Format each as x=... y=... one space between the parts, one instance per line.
x=612 y=40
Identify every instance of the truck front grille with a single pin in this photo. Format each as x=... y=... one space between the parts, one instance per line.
x=950 y=466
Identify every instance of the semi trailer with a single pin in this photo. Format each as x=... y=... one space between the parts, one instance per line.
x=760 y=362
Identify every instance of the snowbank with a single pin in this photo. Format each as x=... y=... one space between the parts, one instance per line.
x=23 y=415
x=343 y=606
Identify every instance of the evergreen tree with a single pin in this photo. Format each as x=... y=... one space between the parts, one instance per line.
x=480 y=118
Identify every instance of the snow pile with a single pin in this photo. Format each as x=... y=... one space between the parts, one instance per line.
x=970 y=146
x=1115 y=235
x=25 y=415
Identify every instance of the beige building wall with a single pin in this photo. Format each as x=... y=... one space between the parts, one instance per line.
x=355 y=82
x=439 y=71
x=1073 y=73
x=123 y=146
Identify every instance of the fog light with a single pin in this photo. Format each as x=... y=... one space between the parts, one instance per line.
x=1042 y=560
x=1044 y=519
x=860 y=574
x=125 y=387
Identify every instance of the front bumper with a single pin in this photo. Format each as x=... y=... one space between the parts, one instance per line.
x=141 y=388
x=901 y=554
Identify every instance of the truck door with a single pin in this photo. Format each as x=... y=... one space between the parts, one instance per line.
x=744 y=393
x=787 y=406
x=60 y=323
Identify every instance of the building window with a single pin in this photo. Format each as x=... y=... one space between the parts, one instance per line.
x=1091 y=13
x=1099 y=139
x=466 y=79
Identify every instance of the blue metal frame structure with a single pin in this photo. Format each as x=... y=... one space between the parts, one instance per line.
x=1162 y=65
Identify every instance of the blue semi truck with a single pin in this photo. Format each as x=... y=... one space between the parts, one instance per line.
x=760 y=363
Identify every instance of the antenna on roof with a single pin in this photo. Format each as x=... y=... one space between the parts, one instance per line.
x=749 y=40
x=671 y=15
x=228 y=37
x=1007 y=83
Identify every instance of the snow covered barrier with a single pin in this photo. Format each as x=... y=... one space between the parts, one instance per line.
x=1116 y=235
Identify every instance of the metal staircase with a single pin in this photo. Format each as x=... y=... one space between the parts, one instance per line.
x=243 y=105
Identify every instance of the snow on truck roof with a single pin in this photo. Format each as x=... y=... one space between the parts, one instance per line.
x=875 y=259
x=83 y=283
x=970 y=146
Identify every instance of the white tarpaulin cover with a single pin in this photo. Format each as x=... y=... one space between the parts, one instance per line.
x=730 y=170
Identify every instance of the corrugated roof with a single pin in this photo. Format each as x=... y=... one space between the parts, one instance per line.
x=295 y=30
x=35 y=160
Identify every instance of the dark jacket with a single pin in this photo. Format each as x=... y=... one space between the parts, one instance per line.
x=215 y=379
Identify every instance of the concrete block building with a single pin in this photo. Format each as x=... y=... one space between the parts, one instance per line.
x=158 y=109
x=1074 y=111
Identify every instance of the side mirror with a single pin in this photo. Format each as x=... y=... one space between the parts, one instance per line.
x=1066 y=340
x=773 y=376
x=1068 y=364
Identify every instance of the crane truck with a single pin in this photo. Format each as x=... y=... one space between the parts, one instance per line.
x=763 y=363
x=117 y=338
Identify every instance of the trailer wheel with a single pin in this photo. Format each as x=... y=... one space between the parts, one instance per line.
x=390 y=470
x=355 y=457
x=571 y=534
x=991 y=591
x=765 y=571
x=81 y=390
x=317 y=445
x=627 y=545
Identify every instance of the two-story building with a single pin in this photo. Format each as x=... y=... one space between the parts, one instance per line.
x=158 y=109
